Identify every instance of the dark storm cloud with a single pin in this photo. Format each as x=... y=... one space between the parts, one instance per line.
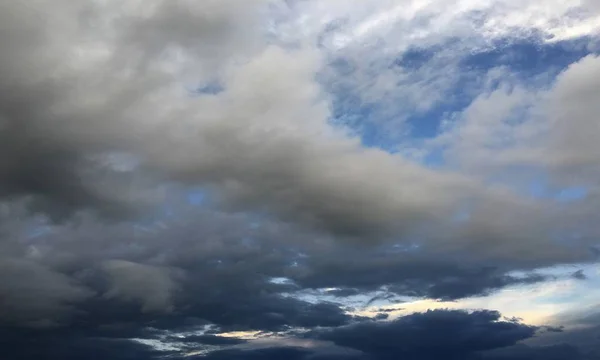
x=524 y=352
x=581 y=334
x=259 y=354
x=206 y=265
x=292 y=353
x=412 y=273
x=382 y=316
x=215 y=276
x=271 y=312
x=202 y=267
x=438 y=334
x=195 y=269
x=17 y=345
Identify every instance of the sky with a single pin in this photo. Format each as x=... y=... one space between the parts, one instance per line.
x=300 y=179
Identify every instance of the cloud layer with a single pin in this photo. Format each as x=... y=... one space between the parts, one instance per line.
x=112 y=114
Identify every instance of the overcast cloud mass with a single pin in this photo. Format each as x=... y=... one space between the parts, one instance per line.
x=299 y=179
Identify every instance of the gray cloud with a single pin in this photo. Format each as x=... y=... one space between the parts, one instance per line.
x=573 y=108
x=263 y=143
x=35 y=295
x=24 y=345
x=437 y=334
x=430 y=335
x=579 y=275
x=77 y=84
x=552 y=352
x=94 y=114
x=153 y=286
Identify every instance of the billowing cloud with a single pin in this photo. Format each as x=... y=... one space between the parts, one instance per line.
x=263 y=143
x=113 y=111
x=84 y=82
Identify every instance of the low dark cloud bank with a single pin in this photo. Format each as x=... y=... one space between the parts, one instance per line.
x=439 y=334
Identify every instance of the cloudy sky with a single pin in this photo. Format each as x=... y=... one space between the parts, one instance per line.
x=300 y=179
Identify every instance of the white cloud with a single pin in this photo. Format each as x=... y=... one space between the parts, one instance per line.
x=411 y=22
